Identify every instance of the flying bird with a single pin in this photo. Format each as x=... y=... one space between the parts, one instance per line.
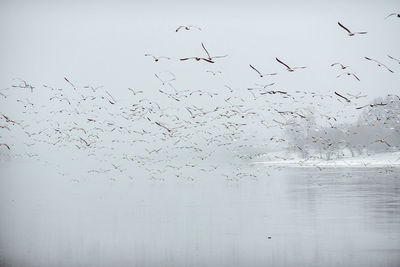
x=372 y=105
x=356 y=96
x=379 y=64
x=261 y=74
x=350 y=32
x=135 y=92
x=214 y=72
x=393 y=14
x=187 y=28
x=383 y=141
x=164 y=81
x=345 y=98
x=167 y=128
x=68 y=81
x=395 y=59
x=5 y=146
x=197 y=59
x=8 y=120
x=83 y=140
x=343 y=67
x=156 y=59
x=287 y=66
x=23 y=85
x=348 y=73
x=208 y=54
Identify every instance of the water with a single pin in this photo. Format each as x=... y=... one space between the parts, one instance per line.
x=333 y=217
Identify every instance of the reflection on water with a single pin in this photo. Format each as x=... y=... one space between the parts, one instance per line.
x=333 y=217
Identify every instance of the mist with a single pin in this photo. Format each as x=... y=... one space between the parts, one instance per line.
x=199 y=133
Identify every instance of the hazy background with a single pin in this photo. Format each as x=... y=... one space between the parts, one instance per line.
x=54 y=211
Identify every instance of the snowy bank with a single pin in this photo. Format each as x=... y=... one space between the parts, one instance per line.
x=376 y=160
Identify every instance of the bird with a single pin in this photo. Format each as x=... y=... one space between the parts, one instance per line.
x=83 y=140
x=259 y=73
x=287 y=66
x=214 y=72
x=395 y=59
x=200 y=93
x=356 y=96
x=372 y=105
x=397 y=15
x=274 y=92
x=68 y=81
x=23 y=85
x=260 y=86
x=208 y=54
x=349 y=32
x=164 y=81
x=167 y=128
x=187 y=28
x=382 y=141
x=379 y=64
x=345 y=98
x=8 y=120
x=156 y=59
x=348 y=73
x=5 y=146
x=343 y=67
x=135 y=92
x=197 y=59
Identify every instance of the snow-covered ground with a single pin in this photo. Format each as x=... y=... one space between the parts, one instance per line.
x=376 y=160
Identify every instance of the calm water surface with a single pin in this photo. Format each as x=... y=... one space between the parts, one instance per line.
x=333 y=217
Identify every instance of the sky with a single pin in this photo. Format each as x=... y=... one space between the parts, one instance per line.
x=104 y=43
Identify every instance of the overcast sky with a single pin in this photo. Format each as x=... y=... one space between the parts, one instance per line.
x=104 y=43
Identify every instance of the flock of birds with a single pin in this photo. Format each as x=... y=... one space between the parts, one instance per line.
x=177 y=133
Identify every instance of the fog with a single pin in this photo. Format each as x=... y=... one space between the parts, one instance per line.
x=118 y=147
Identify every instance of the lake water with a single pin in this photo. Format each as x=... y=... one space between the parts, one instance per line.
x=287 y=217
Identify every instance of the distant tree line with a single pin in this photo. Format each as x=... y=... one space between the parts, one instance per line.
x=376 y=130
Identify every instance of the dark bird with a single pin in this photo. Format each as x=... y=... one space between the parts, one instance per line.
x=345 y=98
x=287 y=66
x=393 y=14
x=5 y=146
x=187 y=28
x=274 y=92
x=83 y=140
x=73 y=86
x=349 y=32
x=379 y=64
x=8 y=120
x=197 y=59
x=261 y=74
x=165 y=127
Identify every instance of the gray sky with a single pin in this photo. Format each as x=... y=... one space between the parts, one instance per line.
x=104 y=43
